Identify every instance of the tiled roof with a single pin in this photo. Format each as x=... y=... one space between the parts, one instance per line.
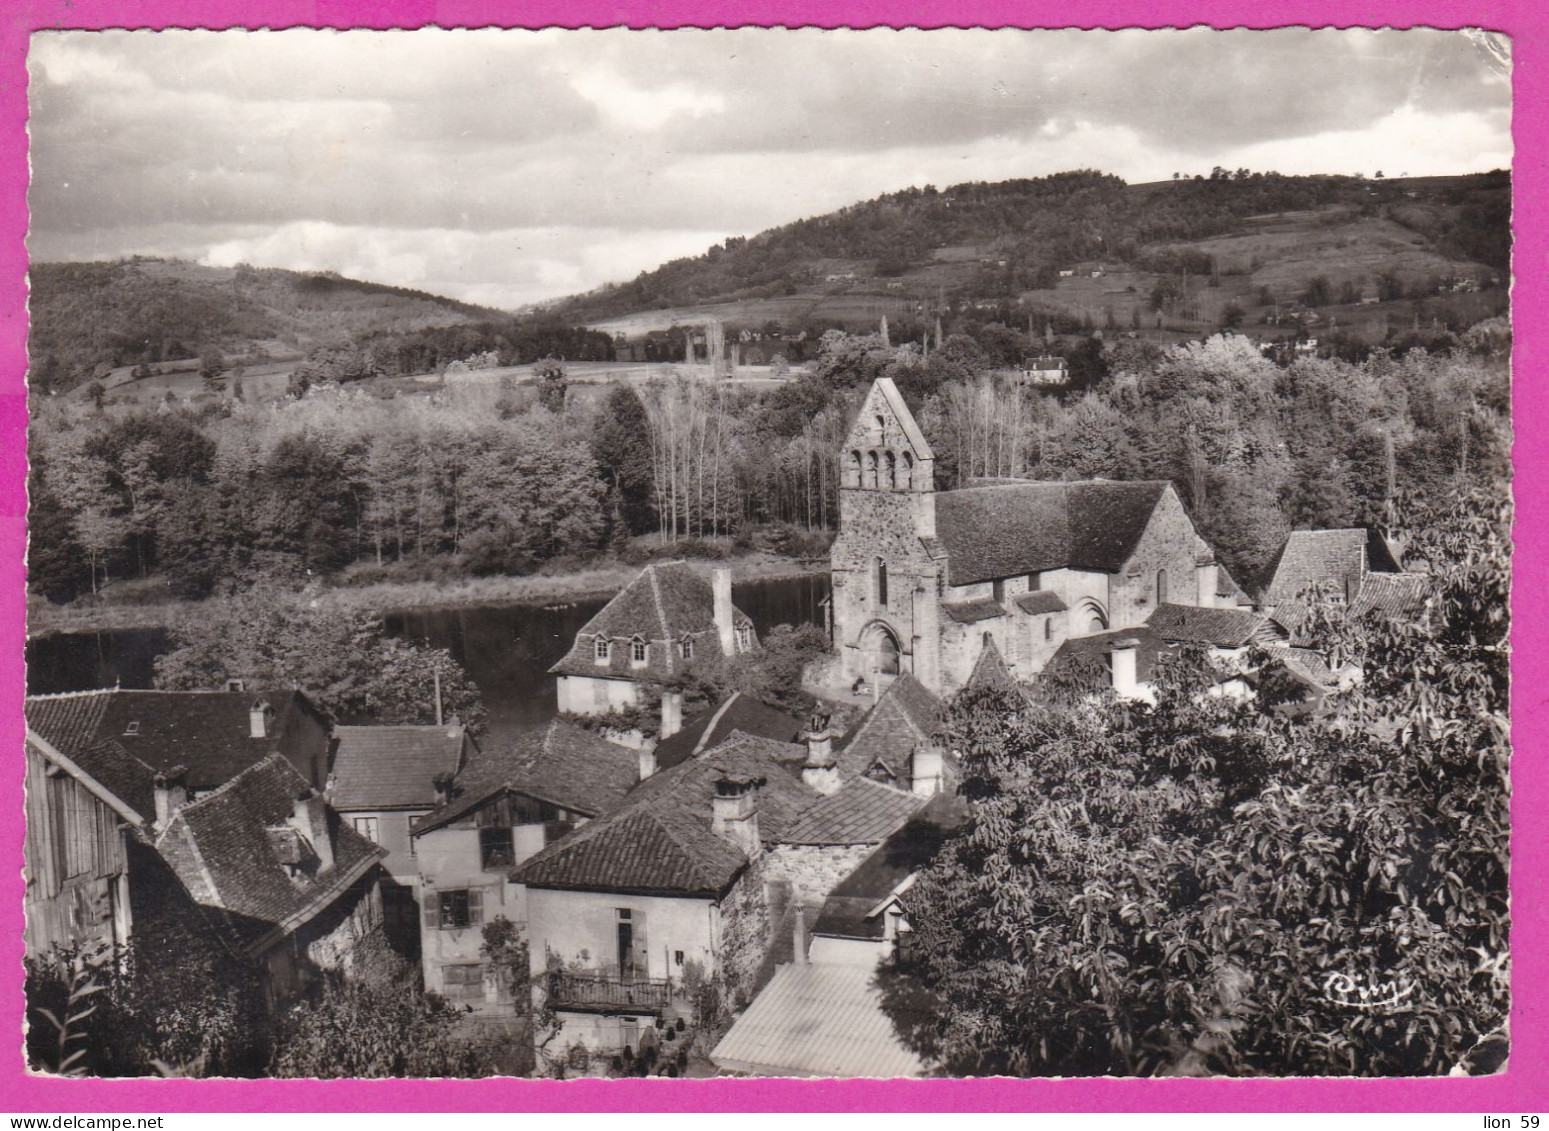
x=206 y=731
x=1223 y=628
x=817 y=1021
x=393 y=767
x=973 y=611
x=1008 y=529
x=122 y=774
x=1041 y=601
x=665 y=602
x=1227 y=587
x=1335 y=558
x=1149 y=646
x=847 y=912
x=736 y=712
x=990 y=671
x=1393 y=594
x=221 y=848
x=562 y=764
x=903 y=717
x=860 y=812
x=660 y=841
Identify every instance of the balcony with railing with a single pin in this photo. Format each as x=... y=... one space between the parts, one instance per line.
x=589 y=992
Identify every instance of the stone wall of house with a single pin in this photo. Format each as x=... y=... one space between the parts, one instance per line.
x=743 y=933
x=586 y=695
x=1169 y=543
x=813 y=870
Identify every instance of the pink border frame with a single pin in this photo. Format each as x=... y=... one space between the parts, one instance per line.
x=1519 y=1090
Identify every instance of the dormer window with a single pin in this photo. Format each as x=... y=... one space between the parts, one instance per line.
x=639 y=652
x=132 y=729
x=686 y=647
x=602 y=650
x=744 y=638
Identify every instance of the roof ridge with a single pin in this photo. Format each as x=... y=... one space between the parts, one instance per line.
x=694 y=858
x=225 y=786
x=704 y=736
x=81 y=694
x=661 y=613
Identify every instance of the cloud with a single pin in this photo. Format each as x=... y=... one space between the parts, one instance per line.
x=580 y=155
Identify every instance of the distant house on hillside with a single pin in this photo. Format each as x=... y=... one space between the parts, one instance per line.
x=669 y=615
x=1045 y=370
x=211 y=735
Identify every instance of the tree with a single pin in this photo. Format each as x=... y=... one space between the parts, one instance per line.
x=1319 y=292
x=1202 y=887
x=553 y=383
x=621 y=445
x=1231 y=316
x=343 y=659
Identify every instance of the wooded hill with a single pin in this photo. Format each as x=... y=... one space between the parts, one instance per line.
x=88 y=317
x=1028 y=242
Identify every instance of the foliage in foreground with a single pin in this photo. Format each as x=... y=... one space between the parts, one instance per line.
x=1198 y=887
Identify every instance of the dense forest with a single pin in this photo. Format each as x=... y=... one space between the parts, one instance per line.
x=499 y=478
x=1042 y=224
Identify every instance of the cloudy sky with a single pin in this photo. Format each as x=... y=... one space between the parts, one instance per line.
x=506 y=167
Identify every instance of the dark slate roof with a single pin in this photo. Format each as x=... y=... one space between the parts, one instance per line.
x=122 y=774
x=847 y=910
x=1335 y=558
x=736 y=712
x=393 y=767
x=660 y=841
x=903 y=717
x=664 y=603
x=1149 y=646
x=973 y=611
x=990 y=671
x=1041 y=601
x=562 y=764
x=222 y=849
x=860 y=812
x=1008 y=529
x=205 y=731
x=1393 y=594
x=1223 y=628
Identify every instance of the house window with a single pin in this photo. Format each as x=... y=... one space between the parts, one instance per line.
x=602 y=650
x=882 y=583
x=1048 y=628
x=998 y=590
x=687 y=648
x=495 y=849
x=639 y=652
x=744 y=638
x=454 y=909
x=677 y=958
x=367 y=827
x=464 y=982
x=1034 y=582
x=1161 y=586
x=132 y=729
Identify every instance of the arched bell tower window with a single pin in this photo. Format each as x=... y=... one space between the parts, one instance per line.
x=908 y=479
x=892 y=472
x=871 y=469
x=1161 y=587
x=854 y=476
x=881 y=583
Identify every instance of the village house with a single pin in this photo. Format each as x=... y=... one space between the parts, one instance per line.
x=76 y=863
x=663 y=620
x=384 y=779
x=632 y=913
x=212 y=735
x=711 y=727
x=1045 y=371
x=922 y=580
x=292 y=887
x=1354 y=566
x=502 y=808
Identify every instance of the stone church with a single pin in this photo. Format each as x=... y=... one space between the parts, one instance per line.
x=925 y=580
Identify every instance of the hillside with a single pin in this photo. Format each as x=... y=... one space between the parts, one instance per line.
x=1186 y=250
x=89 y=318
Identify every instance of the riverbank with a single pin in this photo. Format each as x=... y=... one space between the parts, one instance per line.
x=46 y=619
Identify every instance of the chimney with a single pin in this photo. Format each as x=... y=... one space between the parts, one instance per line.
x=925 y=769
x=821 y=770
x=1123 y=660
x=647 y=762
x=1205 y=578
x=720 y=581
x=734 y=812
x=309 y=817
x=442 y=783
x=672 y=713
x=799 y=933
x=171 y=793
x=258 y=718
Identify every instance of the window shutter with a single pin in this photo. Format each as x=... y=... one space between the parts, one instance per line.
x=432 y=901
x=475 y=907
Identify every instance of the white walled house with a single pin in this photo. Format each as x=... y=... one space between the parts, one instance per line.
x=667 y=617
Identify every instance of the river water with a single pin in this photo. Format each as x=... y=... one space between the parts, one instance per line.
x=505 y=649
